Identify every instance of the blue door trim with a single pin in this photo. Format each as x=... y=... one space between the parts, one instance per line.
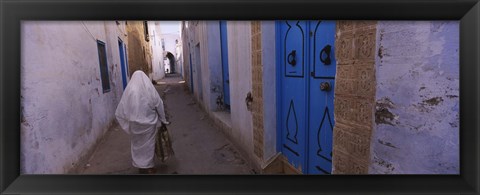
x=122 y=62
x=307 y=99
x=224 y=54
x=278 y=89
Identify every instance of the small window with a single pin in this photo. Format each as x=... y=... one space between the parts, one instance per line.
x=102 y=57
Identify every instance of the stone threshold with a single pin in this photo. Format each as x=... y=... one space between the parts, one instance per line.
x=279 y=164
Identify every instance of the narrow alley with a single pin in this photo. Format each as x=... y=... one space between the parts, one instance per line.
x=199 y=146
x=243 y=97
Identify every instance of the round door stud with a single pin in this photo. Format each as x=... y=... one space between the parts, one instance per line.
x=325 y=86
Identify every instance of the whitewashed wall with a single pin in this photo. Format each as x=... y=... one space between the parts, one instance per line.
x=240 y=72
x=199 y=61
x=417 y=112
x=185 y=35
x=64 y=111
x=158 y=66
x=209 y=65
x=170 y=46
x=179 y=58
x=214 y=64
x=269 y=90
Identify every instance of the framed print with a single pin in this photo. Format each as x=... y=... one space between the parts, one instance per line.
x=248 y=97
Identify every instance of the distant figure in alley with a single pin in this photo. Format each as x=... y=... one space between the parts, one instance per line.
x=140 y=113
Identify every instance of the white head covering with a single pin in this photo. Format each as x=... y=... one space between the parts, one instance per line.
x=138 y=103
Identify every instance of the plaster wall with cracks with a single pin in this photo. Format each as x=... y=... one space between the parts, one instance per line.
x=417 y=98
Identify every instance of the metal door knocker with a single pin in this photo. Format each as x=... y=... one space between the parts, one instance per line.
x=327 y=49
x=291 y=56
x=325 y=86
x=248 y=101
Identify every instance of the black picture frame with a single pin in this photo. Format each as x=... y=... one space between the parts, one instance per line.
x=14 y=11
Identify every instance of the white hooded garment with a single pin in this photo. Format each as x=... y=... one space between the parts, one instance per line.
x=136 y=113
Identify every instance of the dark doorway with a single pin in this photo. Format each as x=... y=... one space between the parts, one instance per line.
x=171 y=59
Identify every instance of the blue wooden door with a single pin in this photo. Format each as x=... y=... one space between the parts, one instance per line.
x=293 y=60
x=321 y=88
x=307 y=72
x=224 y=49
x=122 y=62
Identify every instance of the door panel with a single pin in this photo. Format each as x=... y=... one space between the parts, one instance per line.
x=294 y=48
x=321 y=91
x=320 y=127
x=294 y=87
x=322 y=48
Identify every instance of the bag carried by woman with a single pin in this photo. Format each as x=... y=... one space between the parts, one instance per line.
x=163 y=144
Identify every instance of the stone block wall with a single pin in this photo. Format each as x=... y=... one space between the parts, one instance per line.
x=139 y=50
x=354 y=96
x=64 y=110
x=257 y=89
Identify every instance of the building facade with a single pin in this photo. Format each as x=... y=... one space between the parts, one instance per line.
x=171 y=51
x=140 y=50
x=331 y=97
x=73 y=74
x=71 y=83
x=158 y=65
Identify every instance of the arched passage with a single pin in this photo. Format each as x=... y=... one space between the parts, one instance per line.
x=171 y=59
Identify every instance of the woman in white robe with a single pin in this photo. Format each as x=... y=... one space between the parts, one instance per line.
x=140 y=113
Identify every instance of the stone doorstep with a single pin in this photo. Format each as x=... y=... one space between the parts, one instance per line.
x=279 y=165
x=274 y=165
x=288 y=168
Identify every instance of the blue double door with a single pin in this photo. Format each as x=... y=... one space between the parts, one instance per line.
x=307 y=81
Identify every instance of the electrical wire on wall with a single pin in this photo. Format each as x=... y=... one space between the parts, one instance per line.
x=86 y=29
x=120 y=29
